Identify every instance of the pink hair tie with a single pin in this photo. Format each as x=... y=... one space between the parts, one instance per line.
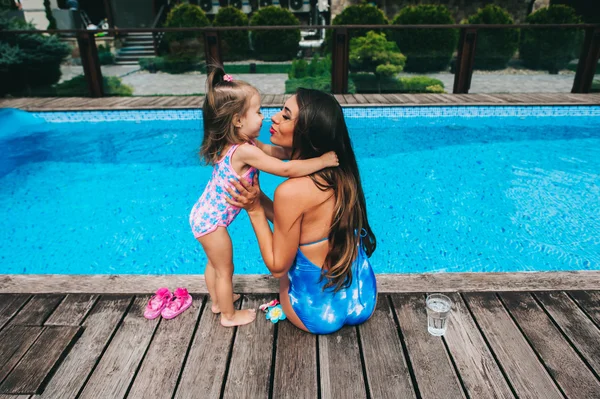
x=228 y=78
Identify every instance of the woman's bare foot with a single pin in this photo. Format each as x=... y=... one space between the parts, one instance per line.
x=217 y=309
x=240 y=317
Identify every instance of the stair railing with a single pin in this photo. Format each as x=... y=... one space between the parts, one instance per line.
x=158 y=36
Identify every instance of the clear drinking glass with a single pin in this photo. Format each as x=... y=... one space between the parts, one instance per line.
x=438 y=309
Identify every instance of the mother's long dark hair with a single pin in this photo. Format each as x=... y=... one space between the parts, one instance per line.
x=320 y=127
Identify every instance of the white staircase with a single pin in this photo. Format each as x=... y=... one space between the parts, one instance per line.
x=135 y=46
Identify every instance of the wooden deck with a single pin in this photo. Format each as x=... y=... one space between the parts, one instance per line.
x=271 y=100
x=526 y=345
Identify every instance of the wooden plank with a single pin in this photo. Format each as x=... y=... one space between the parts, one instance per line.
x=340 y=98
x=264 y=284
x=14 y=342
x=33 y=369
x=385 y=365
x=15 y=396
x=340 y=365
x=580 y=330
x=378 y=99
x=72 y=310
x=360 y=99
x=37 y=310
x=430 y=362
x=295 y=363
x=527 y=375
x=279 y=100
x=268 y=99
x=250 y=365
x=10 y=305
x=590 y=302
x=350 y=99
x=162 y=364
x=99 y=327
x=116 y=368
x=397 y=98
x=481 y=375
x=565 y=366
x=204 y=369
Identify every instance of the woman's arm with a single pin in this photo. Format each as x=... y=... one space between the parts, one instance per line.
x=253 y=156
x=278 y=248
x=274 y=150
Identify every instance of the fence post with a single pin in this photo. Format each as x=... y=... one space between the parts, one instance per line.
x=90 y=62
x=465 y=60
x=212 y=49
x=588 y=59
x=339 y=61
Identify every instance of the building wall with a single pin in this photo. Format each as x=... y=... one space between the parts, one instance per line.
x=35 y=13
x=460 y=9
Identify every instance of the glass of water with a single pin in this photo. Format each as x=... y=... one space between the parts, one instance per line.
x=438 y=310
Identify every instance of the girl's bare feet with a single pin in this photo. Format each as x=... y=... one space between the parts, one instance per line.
x=217 y=309
x=240 y=317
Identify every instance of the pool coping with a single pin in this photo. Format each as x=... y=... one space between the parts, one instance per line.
x=277 y=100
x=263 y=283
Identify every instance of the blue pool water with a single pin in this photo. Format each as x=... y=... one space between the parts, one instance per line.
x=453 y=189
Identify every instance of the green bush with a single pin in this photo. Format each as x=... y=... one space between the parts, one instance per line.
x=588 y=10
x=318 y=66
x=596 y=86
x=28 y=60
x=235 y=44
x=275 y=45
x=105 y=56
x=8 y=5
x=186 y=43
x=322 y=83
x=172 y=64
x=374 y=53
x=551 y=49
x=425 y=49
x=360 y=14
x=367 y=83
x=299 y=69
x=495 y=47
x=77 y=87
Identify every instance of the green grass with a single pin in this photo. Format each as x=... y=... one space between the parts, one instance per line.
x=260 y=68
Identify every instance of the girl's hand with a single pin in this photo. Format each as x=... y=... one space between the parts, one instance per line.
x=247 y=196
x=329 y=159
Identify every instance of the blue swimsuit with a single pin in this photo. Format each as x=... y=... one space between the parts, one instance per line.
x=326 y=311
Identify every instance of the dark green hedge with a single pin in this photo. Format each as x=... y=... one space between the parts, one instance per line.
x=551 y=49
x=28 y=60
x=361 y=14
x=425 y=49
x=234 y=44
x=495 y=47
x=275 y=45
x=186 y=16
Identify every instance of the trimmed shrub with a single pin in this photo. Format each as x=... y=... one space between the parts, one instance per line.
x=374 y=53
x=318 y=66
x=367 y=83
x=425 y=49
x=29 y=60
x=275 y=45
x=235 y=44
x=77 y=87
x=171 y=64
x=588 y=10
x=186 y=43
x=495 y=47
x=322 y=83
x=360 y=14
x=105 y=56
x=551 y=49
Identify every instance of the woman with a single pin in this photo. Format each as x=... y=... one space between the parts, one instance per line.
x=322 y=239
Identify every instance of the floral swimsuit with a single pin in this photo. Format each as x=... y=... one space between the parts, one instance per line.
x=212 y=210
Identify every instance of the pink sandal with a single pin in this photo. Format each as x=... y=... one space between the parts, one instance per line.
x=182 y=300
x=157 y=303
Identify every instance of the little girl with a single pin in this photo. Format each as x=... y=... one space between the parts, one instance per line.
x=232 y=122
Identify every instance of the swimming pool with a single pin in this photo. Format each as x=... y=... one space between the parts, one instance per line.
x=449 y=189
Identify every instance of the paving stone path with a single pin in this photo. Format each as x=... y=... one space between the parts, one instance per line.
x=145 y=83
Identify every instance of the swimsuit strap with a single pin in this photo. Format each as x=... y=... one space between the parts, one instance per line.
x=314 y=242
